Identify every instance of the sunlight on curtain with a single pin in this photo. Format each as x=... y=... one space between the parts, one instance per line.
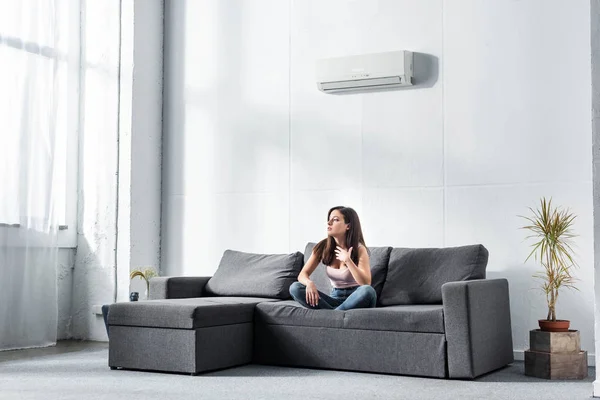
x=33 y=53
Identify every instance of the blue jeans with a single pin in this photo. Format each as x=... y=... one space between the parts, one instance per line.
x=363 y=296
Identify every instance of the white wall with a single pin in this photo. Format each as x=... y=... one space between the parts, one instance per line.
x=517 y=127
x=225 y=131
x=140 y=138
x=64 y=290
x=595 y=42
x=254 y=154
x=94 y=272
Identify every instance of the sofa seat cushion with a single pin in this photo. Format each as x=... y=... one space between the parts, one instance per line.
x=423 y=318
x=184 y=313
x=259 y=275
x=290 y=312
x=413 y=318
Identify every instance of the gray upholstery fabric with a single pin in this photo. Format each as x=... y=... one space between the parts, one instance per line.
x=378 y=256
x=291 y=313
x=415 y=318
x=261 y=275
x=421 y=354
x=240 y=300
x=183 y=313
x=155 y=349
x=180 y=350
x=319 y=275
x=416 y=276
x=478 y=326
x=177 y=287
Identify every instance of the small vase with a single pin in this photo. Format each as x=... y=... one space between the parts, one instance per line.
x=134 y=296
x=560 y=325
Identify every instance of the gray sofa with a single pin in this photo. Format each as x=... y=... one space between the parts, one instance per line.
x=436 y=316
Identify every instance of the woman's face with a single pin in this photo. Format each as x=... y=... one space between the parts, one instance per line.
x=336 y=225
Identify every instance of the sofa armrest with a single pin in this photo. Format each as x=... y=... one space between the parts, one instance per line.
x=477 y=324
x=177 y=287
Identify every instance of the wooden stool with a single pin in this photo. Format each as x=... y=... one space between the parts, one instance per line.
x=555 y=355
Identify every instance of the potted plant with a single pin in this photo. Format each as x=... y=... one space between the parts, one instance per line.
x=145 y=274
x=551 y=228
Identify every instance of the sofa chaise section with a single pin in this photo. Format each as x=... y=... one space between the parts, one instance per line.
x=196 y=324
x=181 y=335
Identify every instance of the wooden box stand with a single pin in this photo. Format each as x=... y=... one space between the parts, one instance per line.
x=555 y=355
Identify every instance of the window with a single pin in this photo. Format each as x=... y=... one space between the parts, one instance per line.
x=29 y=54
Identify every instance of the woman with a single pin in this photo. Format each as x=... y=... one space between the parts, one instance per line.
x=345 y=254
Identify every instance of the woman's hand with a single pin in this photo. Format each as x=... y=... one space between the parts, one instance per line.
x=343 y=255
x=312 y=294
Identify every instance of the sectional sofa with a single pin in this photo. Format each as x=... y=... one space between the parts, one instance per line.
x=436 y=316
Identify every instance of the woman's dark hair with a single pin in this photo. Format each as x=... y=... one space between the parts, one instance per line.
x=325 y=249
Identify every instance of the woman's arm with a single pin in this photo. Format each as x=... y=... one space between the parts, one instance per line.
x=308 y=269
x=360 y=272
x=312 y=294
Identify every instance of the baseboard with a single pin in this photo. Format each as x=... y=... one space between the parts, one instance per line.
x=520 y=356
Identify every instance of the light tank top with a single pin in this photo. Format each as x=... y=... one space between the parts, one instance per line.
x=341 y=278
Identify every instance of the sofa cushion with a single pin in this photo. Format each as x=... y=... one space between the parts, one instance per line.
x=319 y=275
x=292 y=313
x=184 y=313
x=261 y=275
x=427 y=318
x=378 y=256
x=414 y=318
x=416 y=276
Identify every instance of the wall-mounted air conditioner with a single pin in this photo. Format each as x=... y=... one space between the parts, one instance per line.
x=365 y=72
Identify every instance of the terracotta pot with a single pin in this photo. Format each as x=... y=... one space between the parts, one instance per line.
x=560 y=325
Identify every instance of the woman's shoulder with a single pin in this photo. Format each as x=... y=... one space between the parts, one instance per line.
x=362 y=249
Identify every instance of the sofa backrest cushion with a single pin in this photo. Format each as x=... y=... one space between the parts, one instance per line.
x=319 y=275
x=260 y=275
x=416 y=276
x=378 y=257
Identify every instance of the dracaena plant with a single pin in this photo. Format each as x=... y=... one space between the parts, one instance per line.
x=144 y=274
x=551 y=229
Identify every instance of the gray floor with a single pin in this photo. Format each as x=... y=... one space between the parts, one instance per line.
x=78 y=370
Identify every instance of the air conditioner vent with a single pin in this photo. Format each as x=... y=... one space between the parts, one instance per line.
x=361 y=83
x=367 y=71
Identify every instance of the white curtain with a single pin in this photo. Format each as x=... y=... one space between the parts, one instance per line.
x=32 y=132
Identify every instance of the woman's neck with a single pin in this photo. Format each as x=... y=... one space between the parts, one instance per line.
x=340 y=242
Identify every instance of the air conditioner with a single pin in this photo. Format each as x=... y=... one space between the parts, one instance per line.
x=365 y=72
